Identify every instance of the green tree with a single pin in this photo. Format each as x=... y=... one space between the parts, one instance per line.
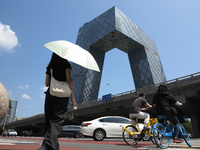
x=188 y=126
x=10 y=104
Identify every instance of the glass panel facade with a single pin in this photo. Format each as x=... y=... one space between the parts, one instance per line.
x=111 y=30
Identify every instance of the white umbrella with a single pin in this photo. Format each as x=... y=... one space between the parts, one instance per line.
x=73 y=53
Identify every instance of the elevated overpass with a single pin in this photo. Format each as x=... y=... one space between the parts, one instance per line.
x=183 y=88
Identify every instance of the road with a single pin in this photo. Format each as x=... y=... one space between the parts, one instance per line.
x=33 y=143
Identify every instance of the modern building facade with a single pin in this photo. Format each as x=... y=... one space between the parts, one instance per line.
x=113 y=29
x=10 y=115
x=12 y=112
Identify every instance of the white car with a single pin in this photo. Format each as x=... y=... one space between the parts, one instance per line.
x=12 y=132
x=104 y=127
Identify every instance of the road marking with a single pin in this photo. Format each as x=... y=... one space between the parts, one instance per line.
x=15 y=142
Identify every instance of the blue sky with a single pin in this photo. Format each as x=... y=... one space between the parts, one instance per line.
x=25 y=26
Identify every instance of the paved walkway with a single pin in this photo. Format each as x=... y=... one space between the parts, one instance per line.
x=33 y=143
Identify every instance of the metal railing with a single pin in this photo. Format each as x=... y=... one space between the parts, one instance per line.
x=135 y=91
x=145 y=88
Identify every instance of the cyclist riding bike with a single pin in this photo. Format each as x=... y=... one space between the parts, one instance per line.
x=163 y=101
x=137 y=108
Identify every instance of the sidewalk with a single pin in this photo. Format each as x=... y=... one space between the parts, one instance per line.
x=33 y=143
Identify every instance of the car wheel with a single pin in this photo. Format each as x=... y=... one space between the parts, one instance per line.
x=77 y=135
x=99 y=135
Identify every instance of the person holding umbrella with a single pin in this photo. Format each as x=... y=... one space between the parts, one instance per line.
x=59 y=69
x=56 y=107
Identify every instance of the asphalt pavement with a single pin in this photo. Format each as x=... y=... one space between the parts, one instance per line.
x=33 y=143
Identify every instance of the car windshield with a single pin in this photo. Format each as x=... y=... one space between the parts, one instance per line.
x=11 y=130
x=74 y=127
x=71 y=127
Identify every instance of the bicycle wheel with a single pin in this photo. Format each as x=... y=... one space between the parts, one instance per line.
x=146 y=137
x=128 y=135
x=158 y=134
x=186 y=137
x=151 y=136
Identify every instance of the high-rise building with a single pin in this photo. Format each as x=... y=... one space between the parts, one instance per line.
x=10 y=115
x=12 y=111
x=113 y=29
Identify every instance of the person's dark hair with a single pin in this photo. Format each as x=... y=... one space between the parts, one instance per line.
x=162 y=90
x=56 y=62
x=141 y=94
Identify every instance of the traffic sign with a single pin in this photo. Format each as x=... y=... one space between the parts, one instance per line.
x=106 y=97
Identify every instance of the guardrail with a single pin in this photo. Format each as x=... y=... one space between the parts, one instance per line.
x=120 y=94
x=147 y=87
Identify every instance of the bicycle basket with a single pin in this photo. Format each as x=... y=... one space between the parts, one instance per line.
x=153 y=121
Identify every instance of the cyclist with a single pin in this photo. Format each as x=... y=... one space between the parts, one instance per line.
x=136 y=110
x=163 y=100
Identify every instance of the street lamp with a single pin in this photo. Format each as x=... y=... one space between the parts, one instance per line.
x=111 y=87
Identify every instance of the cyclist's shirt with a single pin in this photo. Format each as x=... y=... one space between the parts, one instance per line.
x=163 y=103
x=137 y=105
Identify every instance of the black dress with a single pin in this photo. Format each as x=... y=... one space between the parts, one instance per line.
x=55 y=111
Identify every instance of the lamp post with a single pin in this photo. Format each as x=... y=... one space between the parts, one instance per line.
x=111 y=87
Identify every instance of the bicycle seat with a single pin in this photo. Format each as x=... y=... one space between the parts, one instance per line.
x=134 y=119
x=161 y=117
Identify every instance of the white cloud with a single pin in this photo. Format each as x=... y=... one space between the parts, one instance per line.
x=43 y=97
x=26 y=86
x=9 y=94
x=25 y=96
x=8 y=39
x=44 y=88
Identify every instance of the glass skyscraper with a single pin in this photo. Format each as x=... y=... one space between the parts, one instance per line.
x=10 y=115
x=113 y=29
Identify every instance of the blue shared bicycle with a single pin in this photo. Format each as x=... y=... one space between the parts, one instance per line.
x=162 y=134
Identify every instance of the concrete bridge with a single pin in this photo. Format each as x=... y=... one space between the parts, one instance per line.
x=183 y=88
